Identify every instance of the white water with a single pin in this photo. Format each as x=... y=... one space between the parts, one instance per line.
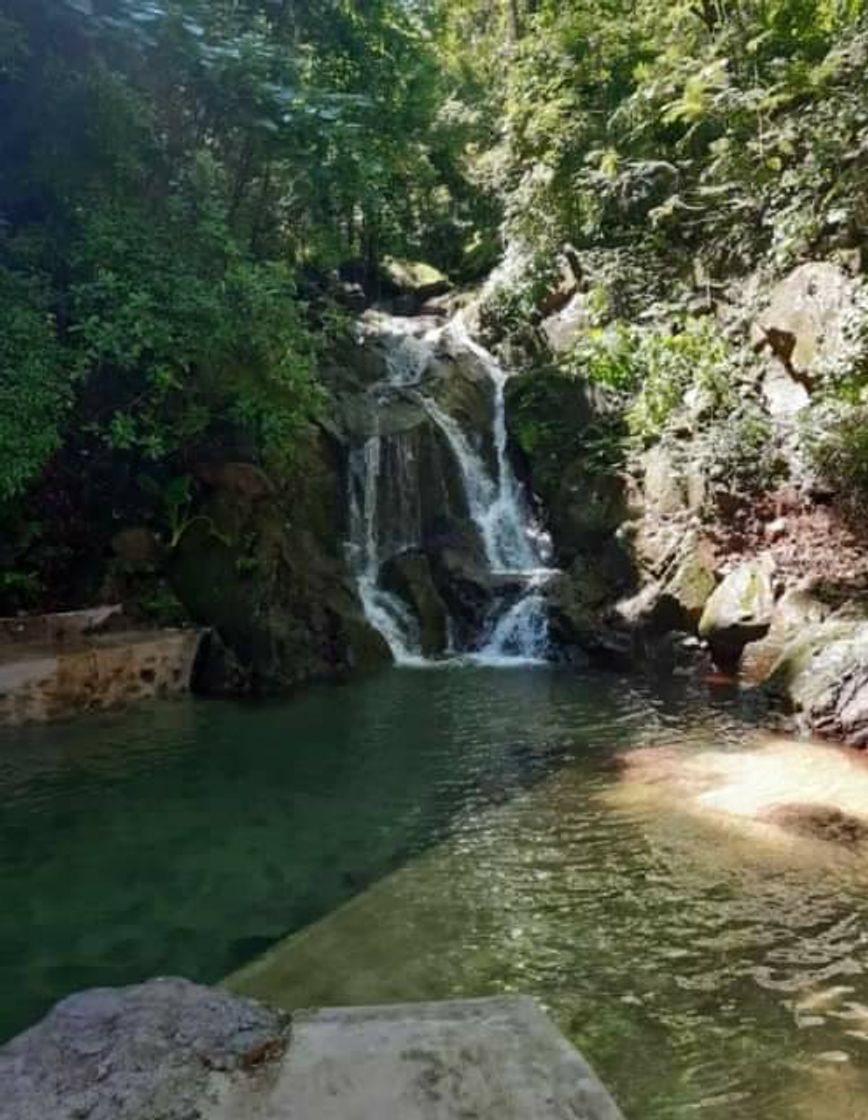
x=496 y=502
x=385 y=612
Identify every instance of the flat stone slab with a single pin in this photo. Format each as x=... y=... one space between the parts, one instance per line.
x=486 y=1059
x=179 y=1051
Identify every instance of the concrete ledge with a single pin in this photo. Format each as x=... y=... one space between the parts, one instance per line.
x=490 y=1059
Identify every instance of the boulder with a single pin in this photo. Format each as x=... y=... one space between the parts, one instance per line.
x=822 y=678
x=268 y=574
x=415 y=278
x=408 y=575
x=461 y=385
x=663 y=486
x=796 y=611
x=130 y=1053
x=804 y=325
x=682 y=598
x=587 y=511
x=462 y=577
x=563 y=329
x=739 y=611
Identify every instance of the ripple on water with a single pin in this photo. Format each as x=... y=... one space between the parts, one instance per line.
x=443 y=834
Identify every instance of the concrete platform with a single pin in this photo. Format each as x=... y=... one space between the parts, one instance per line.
x=486 y=1059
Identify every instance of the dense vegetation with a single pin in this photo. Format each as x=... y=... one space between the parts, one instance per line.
x=184 y=184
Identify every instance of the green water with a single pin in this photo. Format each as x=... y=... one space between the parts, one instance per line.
x=444 y=833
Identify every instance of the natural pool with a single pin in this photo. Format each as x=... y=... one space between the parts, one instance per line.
x=438 y=833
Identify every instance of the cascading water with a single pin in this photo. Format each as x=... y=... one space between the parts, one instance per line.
x=516 y=628
x=385 y=611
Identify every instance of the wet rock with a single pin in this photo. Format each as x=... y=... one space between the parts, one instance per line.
x=458 y=381
x=587 y=512
x=463 y=579
x=136 y=1053
x=245 y=479
x=268 y=574
x=739 y=611
x=822 y=677
x=819 y=822
x=408 y=575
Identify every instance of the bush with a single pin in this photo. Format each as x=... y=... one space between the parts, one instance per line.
x=836 y=447
x=35 y=385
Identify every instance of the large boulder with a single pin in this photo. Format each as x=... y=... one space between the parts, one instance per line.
x=804 y=325
x=804 y=330
x=822 y=678
x=268 y=574
x=153 y=1050
x=798 y=610
x=682 y=597
x=563 y=329
x=739 y=611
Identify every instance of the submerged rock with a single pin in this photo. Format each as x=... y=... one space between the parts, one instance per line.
x=739 y=611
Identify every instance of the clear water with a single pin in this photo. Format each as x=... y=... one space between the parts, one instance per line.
x=439 y=833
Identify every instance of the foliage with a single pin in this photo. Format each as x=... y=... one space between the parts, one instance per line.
x=650 y=369
x=34 y=386
x=836 y=443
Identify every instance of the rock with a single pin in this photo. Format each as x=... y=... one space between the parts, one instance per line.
x=663 y=485
x=61 y=627
x=268 y=573
x=462 y=577
x=137 y=549
x=459 y=382
x=587 y=511
x=797 y=610
x=822 y=677
x=739 y=611
x=154 y=1050
x=683 y=597
x=563 y=329
x=244 y=479
x=486 y=1059
x=415 y=278
x=784 y=396
x=408 y=575
x=804 y=323
x=818 y=822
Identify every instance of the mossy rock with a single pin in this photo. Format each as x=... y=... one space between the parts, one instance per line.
x=740 y=611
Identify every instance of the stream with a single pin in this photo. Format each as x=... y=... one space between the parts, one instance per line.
x=449 y=832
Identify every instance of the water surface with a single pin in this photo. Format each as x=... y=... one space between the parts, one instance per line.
x=445 y=833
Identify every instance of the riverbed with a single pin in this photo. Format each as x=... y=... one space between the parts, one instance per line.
x=452 y=832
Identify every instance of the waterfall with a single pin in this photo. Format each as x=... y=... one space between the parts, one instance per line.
x=385 y=515
x=385 y=611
